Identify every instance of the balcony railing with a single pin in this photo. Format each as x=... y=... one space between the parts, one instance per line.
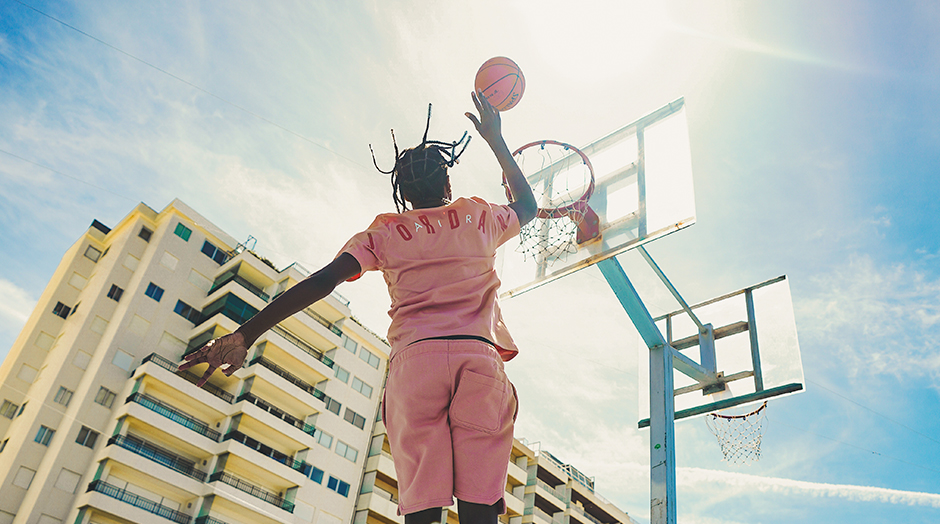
x=137 y=501
x=279 y=413
x=560 y=494
x=307 y=348
x=290 y=377
x=252 y=490
x=586 y=515
x=323 y=321
x=384 y=494
x=159 y=455
x=189 y=377
x=206 y=519
x=170 y=412
x=229 y=276
x=268 y=451
x=230 y=306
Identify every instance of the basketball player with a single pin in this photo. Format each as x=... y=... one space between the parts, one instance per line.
x=448 y=408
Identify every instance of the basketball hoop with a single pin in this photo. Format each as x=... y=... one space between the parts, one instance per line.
x=738 y=436
x=562 y=181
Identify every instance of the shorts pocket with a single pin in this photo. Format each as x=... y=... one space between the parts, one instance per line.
x=479 y=402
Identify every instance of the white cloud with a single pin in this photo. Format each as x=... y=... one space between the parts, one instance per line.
x=16 y=304
x=703 y=479
x=878 y=319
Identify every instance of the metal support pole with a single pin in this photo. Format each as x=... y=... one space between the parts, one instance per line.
x=669 y=286
x=662 y=397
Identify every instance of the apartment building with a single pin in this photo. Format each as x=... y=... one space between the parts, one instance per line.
x=98 y=426
x=540 y=489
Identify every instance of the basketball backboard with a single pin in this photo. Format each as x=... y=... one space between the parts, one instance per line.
x=643 y=191
x=756 y=350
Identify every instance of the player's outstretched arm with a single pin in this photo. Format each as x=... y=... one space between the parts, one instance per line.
x=490 y=128
x=228 y=352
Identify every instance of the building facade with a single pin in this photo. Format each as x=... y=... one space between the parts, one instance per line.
x=98 y=426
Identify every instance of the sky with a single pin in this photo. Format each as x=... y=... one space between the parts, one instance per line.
x=815 y=137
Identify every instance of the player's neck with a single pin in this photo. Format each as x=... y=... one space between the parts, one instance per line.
x=431 y=203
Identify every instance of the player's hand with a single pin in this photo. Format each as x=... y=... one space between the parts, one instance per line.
x=227 y=352
x=488 y=125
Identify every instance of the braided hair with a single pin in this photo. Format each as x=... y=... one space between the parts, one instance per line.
x=420 y=173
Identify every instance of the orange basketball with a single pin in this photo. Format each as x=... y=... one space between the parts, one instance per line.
x=501 y=81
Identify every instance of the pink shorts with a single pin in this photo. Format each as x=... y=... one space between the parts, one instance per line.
x=449 y=410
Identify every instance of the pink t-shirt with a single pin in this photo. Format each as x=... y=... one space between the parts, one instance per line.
x=439 y=267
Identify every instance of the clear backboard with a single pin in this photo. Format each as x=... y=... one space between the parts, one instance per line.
x=756 y=351
x=643 y=191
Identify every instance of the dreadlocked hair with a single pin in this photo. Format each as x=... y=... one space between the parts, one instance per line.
x=420 y=173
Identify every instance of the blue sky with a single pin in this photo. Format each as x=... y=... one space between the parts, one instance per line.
x=815 y=133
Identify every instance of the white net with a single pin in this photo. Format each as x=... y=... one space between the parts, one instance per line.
x=559 y=177
x=739 y=436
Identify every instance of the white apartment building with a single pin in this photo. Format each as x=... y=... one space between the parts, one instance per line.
x=98 y=426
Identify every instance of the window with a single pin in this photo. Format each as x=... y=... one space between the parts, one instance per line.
x=123 y=360
x=81 y=359
x=362 y=387
x=182 y=231
x=145 y=233
x=4 y=445
x=92 y=254
x=338 y=486
x=98 y=325
x=63 y=396
x=343 y=450
x=75 y=309
x=67 y=481
x=354 y=418
x=341 y=374
x=154 y=291
x=214 y=253
x=8 y=409
x=24 y=477
x=61 y=310
x=200 y=281
x=350 y=344
x=316 y=475
x=324 y=439
x=333 y=405
x=105 y=397
x=188 y=312
x=169 y=261
x=368 y=357
x=115 y=293
x=77 y=281
x=131 y=262
x=87 y=437
x=44 y=340
x=44 y=435
x=20 y=412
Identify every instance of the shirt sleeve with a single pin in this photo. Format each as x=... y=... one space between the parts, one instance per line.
x=367 y=247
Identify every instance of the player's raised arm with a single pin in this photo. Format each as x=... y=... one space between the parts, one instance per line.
x=490 y=128
x=228 y=352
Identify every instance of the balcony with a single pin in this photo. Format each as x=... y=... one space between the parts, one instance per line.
x=268 y=451
x=139 y=502
x=323 y=321
x=290 y=377
x=170 y=412
x=158 y=455
x=189 y=377
x=206 y=519
x=251 y=489
x=232 y=307
x=307 y=348
x=277 y=412
x=232 y=275
x=559 y=493
x=580 y=511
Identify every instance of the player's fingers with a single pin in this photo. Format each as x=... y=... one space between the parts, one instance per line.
x=476 y=96
x=191 y=360
x=473 y=118
x=229 y=370
x=205 y=376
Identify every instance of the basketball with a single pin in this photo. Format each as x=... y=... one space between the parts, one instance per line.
x=501 y=81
